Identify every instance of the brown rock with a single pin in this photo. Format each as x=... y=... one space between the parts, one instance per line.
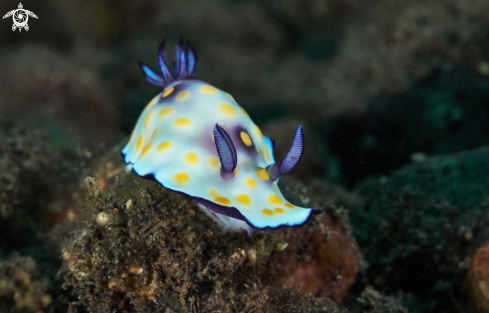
x=319 y=259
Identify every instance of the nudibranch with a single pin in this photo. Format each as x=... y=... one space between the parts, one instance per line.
x=194 y=139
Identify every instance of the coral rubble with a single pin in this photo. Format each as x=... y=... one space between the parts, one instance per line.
x=374 y=302
x=162 y=252
x=320 y=257
x=38 y=180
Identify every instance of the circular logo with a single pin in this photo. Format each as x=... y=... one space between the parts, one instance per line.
x=20 y=18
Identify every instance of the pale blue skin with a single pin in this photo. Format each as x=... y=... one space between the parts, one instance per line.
x=191 y=109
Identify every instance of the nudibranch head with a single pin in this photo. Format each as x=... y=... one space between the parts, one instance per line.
x=196 y=140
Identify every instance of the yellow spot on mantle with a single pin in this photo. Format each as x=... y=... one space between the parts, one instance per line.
x=181 y=178
x=250 y=182
x=274 y=199
x=167 y=92
x=258 y=131
x=243 y=199
x=229 y=95
x=222 y=200
x=227 y=109
x=146 y=150
x=246 y=138
x=267 y=212
x=278 y=210
x=267 y=155
x=154 y=134
x=182 y=121
x=213 y=162
x=244 y=112
x=262 y=174
x=192 y=158
x=164 y=145
x=147 y=119
x=213 y=192
x=236 y=172
x=152 y=102
x=165 y=111
x=207 y=89
x=139 y=143
x=182 y=95
x=290 y=206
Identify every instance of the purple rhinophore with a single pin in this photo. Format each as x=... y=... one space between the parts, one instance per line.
x=185 y=66
x=226 y=151
x=291 y=159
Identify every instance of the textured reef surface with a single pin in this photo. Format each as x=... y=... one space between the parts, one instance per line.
x=35 y=196
x=424 y=223
x=137 y=246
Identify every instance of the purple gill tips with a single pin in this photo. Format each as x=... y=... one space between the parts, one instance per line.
x=226 y=151
x=164 y=65
x=185 y=66
x=191 y=60
x=291 y=159
x=180 y=62
x=151 y=75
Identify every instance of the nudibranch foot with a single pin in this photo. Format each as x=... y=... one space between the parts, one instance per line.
x=196 y=140
x=235 y=225
x=227 y=224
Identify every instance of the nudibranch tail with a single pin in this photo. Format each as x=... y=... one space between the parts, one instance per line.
x=185 y=66
x=291 y=159
x=226 y=151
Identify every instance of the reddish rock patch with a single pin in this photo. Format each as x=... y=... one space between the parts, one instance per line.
x=319 y=258
x=478 y=279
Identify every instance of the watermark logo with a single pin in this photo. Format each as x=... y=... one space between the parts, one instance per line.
x=20 y=18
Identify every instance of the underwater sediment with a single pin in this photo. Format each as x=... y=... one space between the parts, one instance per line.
x=38 y=181
x=21 y=287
